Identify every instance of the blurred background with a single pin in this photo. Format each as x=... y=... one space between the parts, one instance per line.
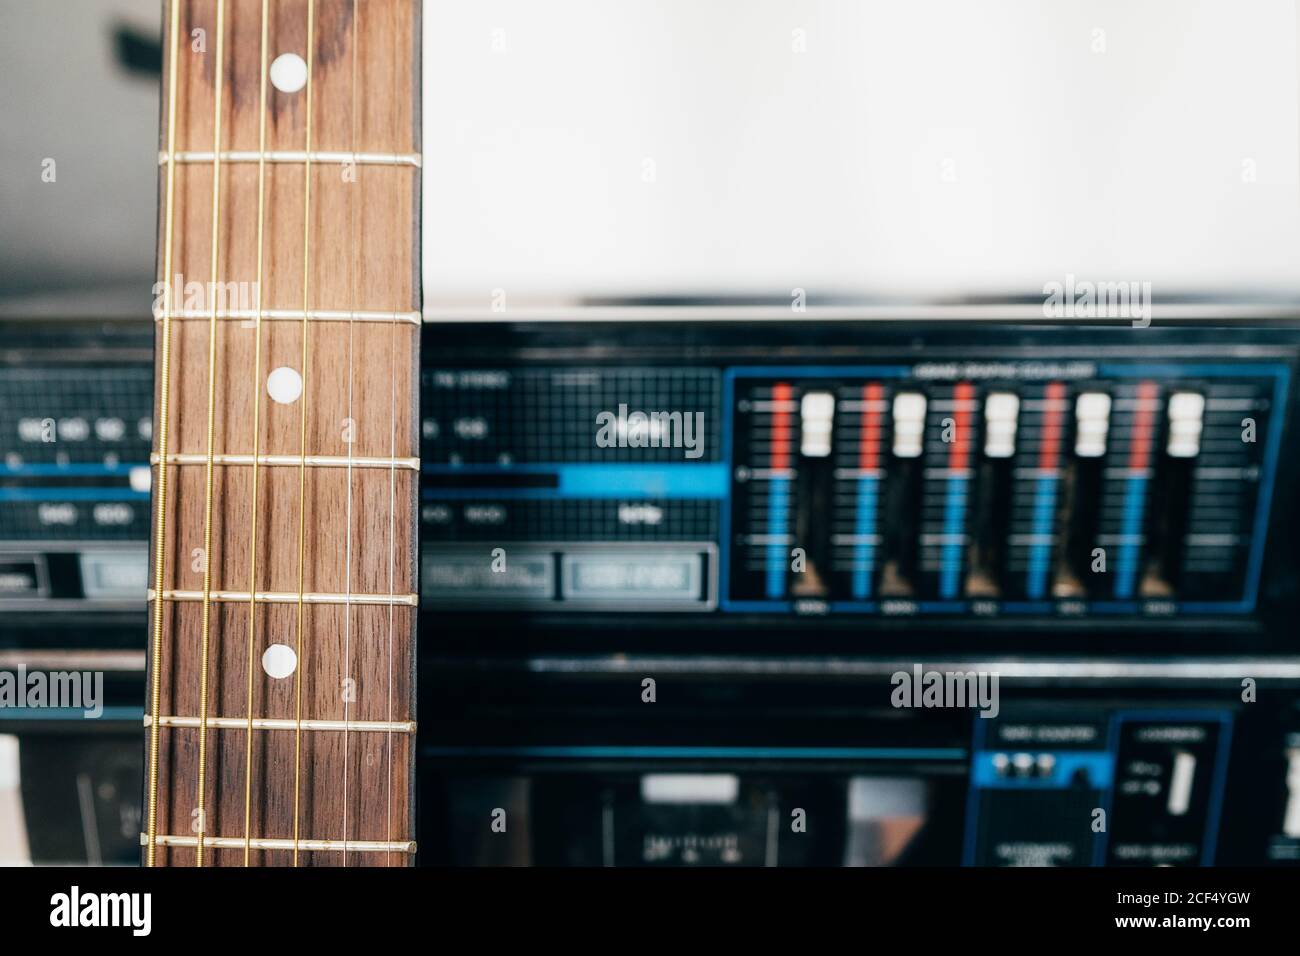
x=893 y=166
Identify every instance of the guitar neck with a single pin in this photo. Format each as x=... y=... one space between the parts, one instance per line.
x=279 y=726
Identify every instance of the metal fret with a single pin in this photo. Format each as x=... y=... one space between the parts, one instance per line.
x=312 y=461
x=288 y=723
x=296 y=156
x=295 y=315
x=262 y=843
x=292 y=597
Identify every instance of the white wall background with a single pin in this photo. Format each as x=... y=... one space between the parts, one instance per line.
x=915 y=148
x=822 y=169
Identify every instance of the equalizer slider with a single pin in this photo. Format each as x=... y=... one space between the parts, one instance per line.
x=1061 y=490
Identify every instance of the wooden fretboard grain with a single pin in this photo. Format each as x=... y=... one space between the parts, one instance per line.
x=355 y=660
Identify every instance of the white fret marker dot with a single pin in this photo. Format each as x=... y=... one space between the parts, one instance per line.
x=284 y=385
x=279 y=661
x=288 y=73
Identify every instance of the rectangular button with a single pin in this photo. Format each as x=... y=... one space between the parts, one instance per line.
x=668 y=577
x=22 y=576
x=518 y=574
x=114 y=575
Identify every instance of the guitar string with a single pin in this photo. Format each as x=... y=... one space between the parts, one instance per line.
x=205 y=626
x=351 y=425
x=164 y=391
x=392 y=474
x=302 y=440
x=257 y=404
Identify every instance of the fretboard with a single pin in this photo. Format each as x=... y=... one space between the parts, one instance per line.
x=279 y=725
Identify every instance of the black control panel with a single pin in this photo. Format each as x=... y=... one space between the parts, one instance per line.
x=673 y=571
x=985 y=477
x=787 y=769
x=708 y=625
x=554 y=487
x=75 y=432
x=983 y=473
